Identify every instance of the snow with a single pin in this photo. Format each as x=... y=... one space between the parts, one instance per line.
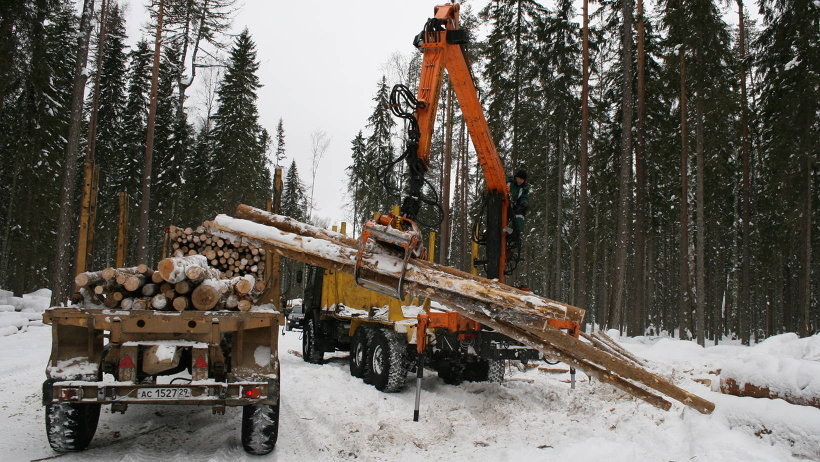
x=17 y=314
x=327 y=415
x=261 y=355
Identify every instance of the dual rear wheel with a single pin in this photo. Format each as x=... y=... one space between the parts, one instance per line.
x=380 y=357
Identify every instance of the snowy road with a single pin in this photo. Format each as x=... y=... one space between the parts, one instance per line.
x=328 y=415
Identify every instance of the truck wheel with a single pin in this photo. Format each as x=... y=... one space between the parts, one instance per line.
x=387 y=361
x=310 y=350
x=451 y=373
x=489 y=370
x=260 y=427
x=495 y=370
x=70 y=426
x=358 y=352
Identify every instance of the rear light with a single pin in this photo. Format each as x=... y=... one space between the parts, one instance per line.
x=252 y=393
x=200 y=363
x=126 y=362
x=70 y=394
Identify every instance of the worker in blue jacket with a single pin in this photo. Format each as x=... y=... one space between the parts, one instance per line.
x=519 y=202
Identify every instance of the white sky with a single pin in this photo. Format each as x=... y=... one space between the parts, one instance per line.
x=320 y=61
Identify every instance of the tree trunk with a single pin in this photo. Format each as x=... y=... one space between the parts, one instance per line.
x=145 y=187
x=446 y=167
x=556 y=290
x=614 y=320
x=61 y=265
x=581 y=283
x=745 y=302
x=638 y=323
x=700 y=278
x=685 y=311
x=805 y=259
x=86 y=235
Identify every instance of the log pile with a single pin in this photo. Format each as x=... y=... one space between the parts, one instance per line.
x=178 y=283
x=515 y=313
x=232 y=259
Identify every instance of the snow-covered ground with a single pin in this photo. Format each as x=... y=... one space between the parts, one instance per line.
x=328 y=415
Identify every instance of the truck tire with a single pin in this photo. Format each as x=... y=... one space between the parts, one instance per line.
x=310 y=346
x=450 y=373
x=260 y=428
x=358 y=352
x=495 y=370
x=70 y=427
x=387 y=361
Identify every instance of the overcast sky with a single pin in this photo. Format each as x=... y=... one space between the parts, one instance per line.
x=320 y=61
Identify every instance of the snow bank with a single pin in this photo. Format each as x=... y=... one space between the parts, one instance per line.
x=17 y=314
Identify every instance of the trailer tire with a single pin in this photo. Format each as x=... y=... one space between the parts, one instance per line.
x=387 y=361
x=311 y=352
x=450 y=373
x=495 y=370
x=70 y=427
x=260 y=428
x=488 y=370
x=359 y=346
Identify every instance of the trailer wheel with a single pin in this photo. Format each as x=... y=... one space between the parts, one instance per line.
x=358 y=352
x=490 y=370
x=387 y=361
x=260 y=428
x=70 y=427
x=310 y=348
x=495 y=370
x=450 y=372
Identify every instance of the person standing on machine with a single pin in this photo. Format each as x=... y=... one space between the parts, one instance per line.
x=519 y=202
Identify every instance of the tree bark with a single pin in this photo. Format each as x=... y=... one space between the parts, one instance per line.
x=685 y=311
x=145 y=187
x=581 y=284
x=556 y=289
x=444 y=229
x=638 y=323
x=616 y=306
x=700 y=278
x=64 y=227
x=745 y=283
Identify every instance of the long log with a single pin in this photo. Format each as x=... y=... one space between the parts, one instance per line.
x=497 y=311
x=521 y=308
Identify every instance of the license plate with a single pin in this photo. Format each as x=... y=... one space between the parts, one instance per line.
x=163 y=393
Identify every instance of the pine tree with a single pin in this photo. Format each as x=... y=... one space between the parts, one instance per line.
x=240 y=166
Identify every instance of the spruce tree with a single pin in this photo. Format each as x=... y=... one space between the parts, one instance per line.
x=356 y=177
x=280 y=142
x=787 y=56
x=241 y=172
x=110 y=150
x=381 y=180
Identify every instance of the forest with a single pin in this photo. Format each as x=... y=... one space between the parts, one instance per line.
x=671 y=148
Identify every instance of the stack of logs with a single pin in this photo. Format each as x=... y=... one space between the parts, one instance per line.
x=232 y=259
x=178 y=283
